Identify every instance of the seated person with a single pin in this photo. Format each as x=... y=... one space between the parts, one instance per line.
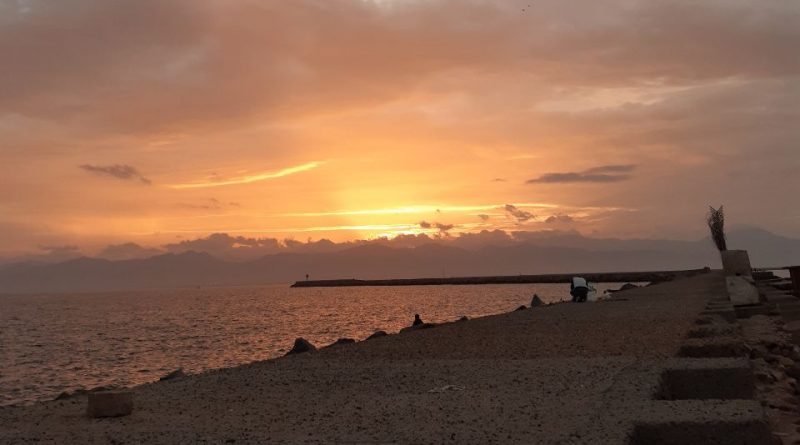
x=579 y=289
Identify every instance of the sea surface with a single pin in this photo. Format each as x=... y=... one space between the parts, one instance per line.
x=55 y=343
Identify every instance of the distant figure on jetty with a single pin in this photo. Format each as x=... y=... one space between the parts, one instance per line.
x=417 y=320
x=579 y=289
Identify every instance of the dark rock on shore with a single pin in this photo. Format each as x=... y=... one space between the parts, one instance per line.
x=301 y=345
x=536 y=301
x=463 y=318
x=66 y=395
x=377 y=334
x=176 y=374
x=342 y=341
x=521 y=308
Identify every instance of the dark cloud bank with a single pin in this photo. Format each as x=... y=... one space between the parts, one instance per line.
x=211 y=61
x=518 y=214
x=118 y=171
x=603 y=173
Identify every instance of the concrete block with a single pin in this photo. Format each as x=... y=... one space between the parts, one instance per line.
x=789 y=315
x=110 y=404
x=782 y=299
x=725 y=315
x=716 y=330
x=741 y=290
x=757 y=309
x=753 y=432
x=719 y=306
x=706 y=379
x=736 y=262
x=715 y=347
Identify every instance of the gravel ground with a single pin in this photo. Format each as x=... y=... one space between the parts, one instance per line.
x=567 y=373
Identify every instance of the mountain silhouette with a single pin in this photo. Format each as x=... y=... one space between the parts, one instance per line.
x=562 y=253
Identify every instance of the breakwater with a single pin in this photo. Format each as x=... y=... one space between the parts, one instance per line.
x=596 y=277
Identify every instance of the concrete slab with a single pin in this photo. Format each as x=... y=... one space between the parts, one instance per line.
x=704 y=379
x=728 y=315
x=741 y=290
x=756 y=309
x=736 y=262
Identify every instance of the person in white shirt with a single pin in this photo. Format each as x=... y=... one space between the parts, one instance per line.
x=579 y=289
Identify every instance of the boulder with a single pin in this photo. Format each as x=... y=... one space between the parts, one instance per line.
x=377 y=334
x=342 y=341
x=628 y=286
x=109 y=404
x=536 y=301
x=521 y=308
x=463 y=318
x=176 y=374
x=301 y=345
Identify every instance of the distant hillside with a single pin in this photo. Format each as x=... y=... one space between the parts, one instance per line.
x=374 y=261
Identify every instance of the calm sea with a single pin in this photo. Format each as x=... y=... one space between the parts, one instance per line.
x=55 y=343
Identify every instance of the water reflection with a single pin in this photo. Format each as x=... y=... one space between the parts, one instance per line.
x=53 y=343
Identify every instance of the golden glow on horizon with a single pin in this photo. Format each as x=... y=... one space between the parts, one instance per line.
x=234 y=230
x=419 y=210
x=252 y=178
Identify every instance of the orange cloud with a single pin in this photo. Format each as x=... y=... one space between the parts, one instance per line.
x=250 y=178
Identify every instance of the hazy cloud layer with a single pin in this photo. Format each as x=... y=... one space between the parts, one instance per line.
x=213 y=61
x=118 y=171
x=209 y=204
x=60 y=249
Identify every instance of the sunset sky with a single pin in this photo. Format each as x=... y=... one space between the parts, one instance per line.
x=157 y=121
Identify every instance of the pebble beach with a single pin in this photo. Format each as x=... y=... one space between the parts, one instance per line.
x=562 y=373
